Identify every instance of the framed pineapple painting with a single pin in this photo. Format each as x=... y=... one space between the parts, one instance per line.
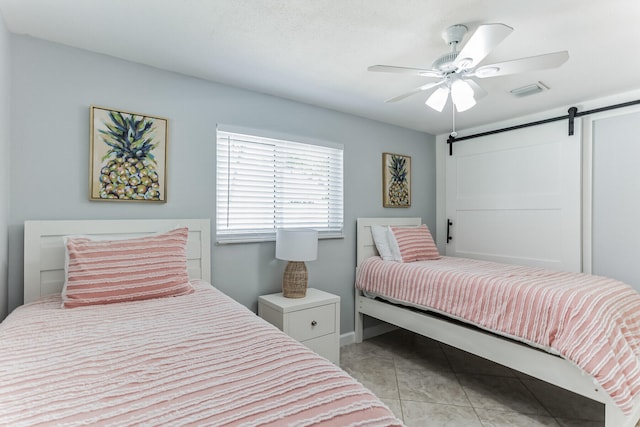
x=396 y=180
x=128 y=156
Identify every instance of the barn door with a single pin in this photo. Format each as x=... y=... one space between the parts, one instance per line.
x=514 y=197
x=616 y=186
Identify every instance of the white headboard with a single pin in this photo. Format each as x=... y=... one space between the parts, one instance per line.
x=44 y=249
x=365 y=248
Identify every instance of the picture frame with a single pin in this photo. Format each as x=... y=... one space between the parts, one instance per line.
x=128 y=156
x=396 y=180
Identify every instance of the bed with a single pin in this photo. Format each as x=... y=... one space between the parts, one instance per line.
x=197 y=358
x=520 y=355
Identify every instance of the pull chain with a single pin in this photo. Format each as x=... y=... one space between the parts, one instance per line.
x=453 y=119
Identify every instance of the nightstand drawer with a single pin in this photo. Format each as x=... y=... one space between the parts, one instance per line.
x=312 y=323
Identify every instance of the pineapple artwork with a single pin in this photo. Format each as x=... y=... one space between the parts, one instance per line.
x=396 y=177
x=127 y=156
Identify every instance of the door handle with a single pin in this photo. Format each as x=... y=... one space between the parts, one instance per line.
x=449 y=237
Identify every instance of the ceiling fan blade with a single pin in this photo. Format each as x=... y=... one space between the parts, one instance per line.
x=414 y=91
x=540 y=62
x=482 y=42
x=478 y=91
x=405 y=70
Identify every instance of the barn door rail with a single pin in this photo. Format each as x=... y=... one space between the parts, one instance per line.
x=572 y=114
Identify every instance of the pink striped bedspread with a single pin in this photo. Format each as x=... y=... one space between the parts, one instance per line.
x=590 y=320
x=198 y=359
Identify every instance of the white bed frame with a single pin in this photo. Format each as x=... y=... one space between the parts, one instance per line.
x=44 y=249
x=521 y=357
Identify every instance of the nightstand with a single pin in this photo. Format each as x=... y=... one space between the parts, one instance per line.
x=313 y=320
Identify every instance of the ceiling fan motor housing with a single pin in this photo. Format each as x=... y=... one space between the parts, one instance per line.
x=452 y=36
x=444 y=62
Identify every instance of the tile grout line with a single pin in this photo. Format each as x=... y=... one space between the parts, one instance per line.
x=395 y=372
x=460 y=383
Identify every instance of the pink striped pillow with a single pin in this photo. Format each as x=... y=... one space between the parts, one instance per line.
x=415 y=243
x=110 y=271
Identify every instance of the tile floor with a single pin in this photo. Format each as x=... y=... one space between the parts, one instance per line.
x=426 y=383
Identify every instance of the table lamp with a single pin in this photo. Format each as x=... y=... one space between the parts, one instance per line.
x=296 y=246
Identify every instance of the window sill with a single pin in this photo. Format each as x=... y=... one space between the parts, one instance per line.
x=268 y=238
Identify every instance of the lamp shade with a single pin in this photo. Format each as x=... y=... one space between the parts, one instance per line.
x=438 y=99
x=296 y=244
x=462 y=95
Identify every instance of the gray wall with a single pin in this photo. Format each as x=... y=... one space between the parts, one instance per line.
x=52 y=89
x=4 y=164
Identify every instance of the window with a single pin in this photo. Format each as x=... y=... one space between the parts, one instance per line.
x=264 y=183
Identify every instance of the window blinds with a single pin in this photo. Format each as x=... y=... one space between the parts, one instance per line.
x=265 y=183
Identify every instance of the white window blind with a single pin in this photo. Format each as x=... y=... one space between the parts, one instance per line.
x=266 y=183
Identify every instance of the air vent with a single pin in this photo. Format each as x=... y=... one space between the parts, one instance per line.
x=531 y=89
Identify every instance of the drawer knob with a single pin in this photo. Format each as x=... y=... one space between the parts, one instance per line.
x=314 y=323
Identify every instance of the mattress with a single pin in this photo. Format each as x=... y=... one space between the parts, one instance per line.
x=592 y=321
x=198 y=359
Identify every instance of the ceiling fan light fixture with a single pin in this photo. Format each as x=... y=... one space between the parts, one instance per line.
x=462 y=95
x=464 y=106
x=438 y=99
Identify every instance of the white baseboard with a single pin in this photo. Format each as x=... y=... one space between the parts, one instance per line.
x=348 y=338
x=370 y=332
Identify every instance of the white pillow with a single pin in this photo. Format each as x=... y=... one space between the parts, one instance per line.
x=393 y=246
x=384 y=240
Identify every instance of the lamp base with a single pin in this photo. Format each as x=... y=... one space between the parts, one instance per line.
x=294 y=281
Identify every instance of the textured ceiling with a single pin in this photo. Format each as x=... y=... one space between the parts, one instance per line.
x=318 y=51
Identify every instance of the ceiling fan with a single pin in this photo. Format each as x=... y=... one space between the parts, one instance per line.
x=455 y=70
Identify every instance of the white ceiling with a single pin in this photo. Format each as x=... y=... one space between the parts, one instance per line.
x=318 y=51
